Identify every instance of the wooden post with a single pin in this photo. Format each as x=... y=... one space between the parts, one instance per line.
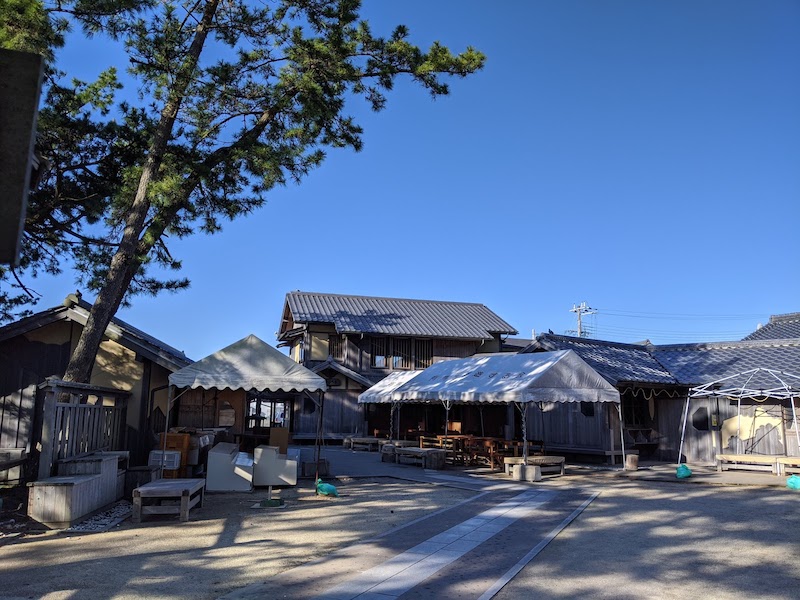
x=48 y=429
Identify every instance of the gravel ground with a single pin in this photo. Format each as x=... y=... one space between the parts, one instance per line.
x=226 y=545
x=639 y=539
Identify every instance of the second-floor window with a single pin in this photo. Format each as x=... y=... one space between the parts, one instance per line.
x=380 y=354
x=336 y=347
x=400 y=353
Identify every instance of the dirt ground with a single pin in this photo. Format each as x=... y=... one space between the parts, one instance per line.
x=226 y=545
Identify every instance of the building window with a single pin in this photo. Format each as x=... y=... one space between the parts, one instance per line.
x=336 y=347
x=263 y=412
x=423 y=353
x=587 y=409
x=379 y=358
x=401 y=353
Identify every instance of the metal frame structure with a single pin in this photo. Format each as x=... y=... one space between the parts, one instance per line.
x=747 y=385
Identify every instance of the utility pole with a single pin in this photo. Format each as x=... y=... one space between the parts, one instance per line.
x=582 y=310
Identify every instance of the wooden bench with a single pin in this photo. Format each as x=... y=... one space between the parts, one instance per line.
x=547 y=464
x=365 y=443
x=751 y=462
x=611 y=455
x=788 y=464
x=428 y=458
x=188 y=491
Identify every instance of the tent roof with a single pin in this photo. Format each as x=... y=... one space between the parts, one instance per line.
x=386 y=386
x=248 y=364
x=560 y=376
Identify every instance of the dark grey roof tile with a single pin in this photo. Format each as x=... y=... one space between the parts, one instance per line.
x=780 y=327
x=615 y=361
x=396 y=316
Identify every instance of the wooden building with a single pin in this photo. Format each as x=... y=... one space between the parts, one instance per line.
x=38 y=347
x=355 y=341
x=654 y=380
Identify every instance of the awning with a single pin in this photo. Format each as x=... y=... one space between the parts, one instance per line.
x=249 y=364
x=560 y=376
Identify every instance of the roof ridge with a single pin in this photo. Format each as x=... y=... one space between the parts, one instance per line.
x=330 y=294
x=795 y=316
x=597 y=342
x=766 y=343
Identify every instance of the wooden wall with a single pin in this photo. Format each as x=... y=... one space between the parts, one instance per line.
x=563 y=424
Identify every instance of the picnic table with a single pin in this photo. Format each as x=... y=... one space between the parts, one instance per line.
x=148 y=498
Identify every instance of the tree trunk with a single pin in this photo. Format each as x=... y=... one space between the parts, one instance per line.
x=128 y=258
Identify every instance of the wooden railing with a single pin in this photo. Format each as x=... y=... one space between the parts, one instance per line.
x=79 y=419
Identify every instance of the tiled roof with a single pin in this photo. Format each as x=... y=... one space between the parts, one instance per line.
x=695 y=364
x=616 y=362
x=393 y=316
x=780 y=327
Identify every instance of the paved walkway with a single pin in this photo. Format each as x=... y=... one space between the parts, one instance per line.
x=471 y=550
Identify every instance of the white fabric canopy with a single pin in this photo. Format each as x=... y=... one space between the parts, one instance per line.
x=249 y=364
x=386 y=386
x=560 y=376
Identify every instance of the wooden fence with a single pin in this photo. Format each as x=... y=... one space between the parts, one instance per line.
x=79 y=419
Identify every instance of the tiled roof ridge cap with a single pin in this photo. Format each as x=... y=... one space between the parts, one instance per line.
x=795 y=316
x=330 y=294
x=596 y=342
x=769 y=343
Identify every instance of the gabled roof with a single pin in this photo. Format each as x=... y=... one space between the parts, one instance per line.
x=696 y=364
x=780 y=327
x=76 y=310
x=616 y=362
x=393 y=316
x=249 y=364
x=341 y=369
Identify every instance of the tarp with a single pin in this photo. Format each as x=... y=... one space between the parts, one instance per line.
x=249 y=364
x=560 y=376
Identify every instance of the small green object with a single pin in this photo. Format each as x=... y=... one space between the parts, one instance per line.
x=682 y=472
x=793 y=482
x=326 y=489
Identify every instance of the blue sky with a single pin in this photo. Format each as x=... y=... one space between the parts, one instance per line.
x=642 y=157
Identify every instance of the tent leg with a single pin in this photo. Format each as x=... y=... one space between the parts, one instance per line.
x=794 y=416
x=391 y=421
x=621 y=433
x=683 y=429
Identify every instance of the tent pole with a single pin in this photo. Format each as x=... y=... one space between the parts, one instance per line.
x=683 y=429
x=391 y=422
x=318 y=443
x=794 y=416
x=621 y=433
x=738 y=424
x=524 y=412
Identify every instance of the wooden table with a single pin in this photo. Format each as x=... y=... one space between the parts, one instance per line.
x=188 y=491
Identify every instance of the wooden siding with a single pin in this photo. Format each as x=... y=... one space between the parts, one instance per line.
x=564 y=424
x=342 y=415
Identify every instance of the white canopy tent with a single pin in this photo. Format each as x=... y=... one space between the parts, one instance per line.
x=519 y=379
x=754 y=384
x=251 y=364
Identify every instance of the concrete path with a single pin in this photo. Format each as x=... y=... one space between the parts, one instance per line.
x=486 y=546
x=470 y=550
